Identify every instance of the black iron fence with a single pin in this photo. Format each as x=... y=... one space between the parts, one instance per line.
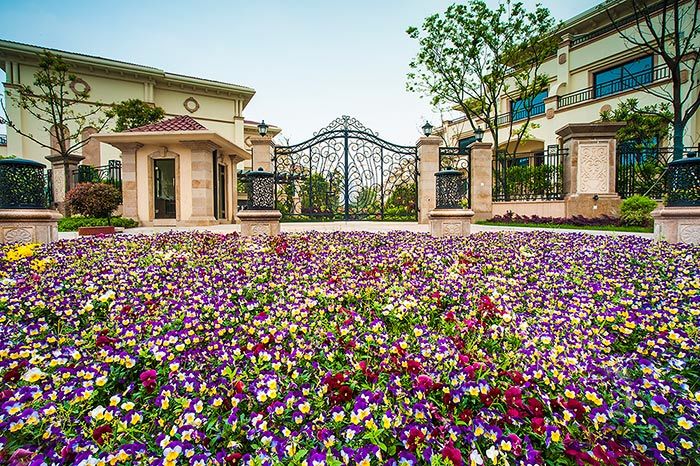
x=528 y=176
x=22 y=184
x=616 y=86
x=48 y=174
x=110 y=173
x=458 y=158
x=683 y=182
x=644 y=170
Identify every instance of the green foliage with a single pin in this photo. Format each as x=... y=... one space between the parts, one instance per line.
x=133 y=113
x=531 y=180
x=636 y=210
x=324 y=195
x=57 y=99
x=73 y=223
x=472 y=55
x=645 y=126
x=93 y=199
x=401 y=203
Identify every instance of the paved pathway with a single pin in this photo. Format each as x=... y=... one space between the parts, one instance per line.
x=355 y=226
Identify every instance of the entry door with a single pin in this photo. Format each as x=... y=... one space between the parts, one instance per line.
x=221 y=185
x=164 y=188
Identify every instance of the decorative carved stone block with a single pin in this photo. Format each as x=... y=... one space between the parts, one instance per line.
x=260 y=222
x=28 y=225
x=593 y=168
x=677 y=224
x=450 y=222
x=260 y=229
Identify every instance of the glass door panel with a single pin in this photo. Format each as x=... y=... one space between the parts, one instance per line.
x=164 y=188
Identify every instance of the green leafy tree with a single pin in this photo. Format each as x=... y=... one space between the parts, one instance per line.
x=670 y=30
x=320 y=195
x=133 y=113
x=472 y=55
x=62 y=105
x=645 y=126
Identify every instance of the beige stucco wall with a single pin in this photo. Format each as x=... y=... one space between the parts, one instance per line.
x=580 y=62
x=218 y=107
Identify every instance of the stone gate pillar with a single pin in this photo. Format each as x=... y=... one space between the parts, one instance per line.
x=130 y=203
x=263 y=152
x=590 y=168
x=481 y=182
x=428 y=165
x=62 y=176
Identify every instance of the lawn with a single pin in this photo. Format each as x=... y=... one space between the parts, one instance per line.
x=350 y=348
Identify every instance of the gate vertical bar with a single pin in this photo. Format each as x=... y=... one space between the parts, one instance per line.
x=381 y=183
x=311 y=189
x=347 y=173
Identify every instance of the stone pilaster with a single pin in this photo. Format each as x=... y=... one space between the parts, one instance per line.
x=62 y=168
x=263 y=152
x=481 y=182
x=590 y=168
x=428 y=165
x=202 y=171
x=129 y=190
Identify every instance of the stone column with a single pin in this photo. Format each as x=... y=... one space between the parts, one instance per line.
x=129 y=190
x=263 y=152
x=62 y=168
x=428 y=165
x=563 y=61
x=202 y=170
x=481 y=182
x=589 y=168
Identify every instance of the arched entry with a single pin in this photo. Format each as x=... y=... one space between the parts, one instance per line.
x=346 y=172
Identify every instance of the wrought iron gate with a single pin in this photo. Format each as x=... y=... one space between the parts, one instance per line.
x=346 y=172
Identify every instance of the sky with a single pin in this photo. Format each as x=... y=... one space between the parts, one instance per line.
x=309 y=61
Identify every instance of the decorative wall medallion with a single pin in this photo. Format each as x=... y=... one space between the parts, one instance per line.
x=689 y=234
x=79 y=86
x=605 y=108
x=260 y=229
x=549 y=113
x=451 y=229
x=19 y=235
x=593 y=168
x=191 y=104
x=562 y=58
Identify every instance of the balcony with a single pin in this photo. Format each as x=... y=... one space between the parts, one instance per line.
x=617 y=86
x=535 y=110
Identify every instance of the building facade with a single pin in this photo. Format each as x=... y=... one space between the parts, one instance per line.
x=593 y=70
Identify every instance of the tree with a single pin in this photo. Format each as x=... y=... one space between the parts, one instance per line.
x=471 y=56
x=669 y=29
x=645 y=126
x=133 y=113
x=58 y=102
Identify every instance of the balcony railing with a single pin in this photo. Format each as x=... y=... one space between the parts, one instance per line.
x=110 y=174
x=633 y=81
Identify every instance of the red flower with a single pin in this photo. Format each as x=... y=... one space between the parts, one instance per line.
x=538 y=425
x=514 y=397
x=575 y=407
x=104 y=340
x=99 y=433
x=233 y=458
x=148 y=379
x=238 y=387
x=535 y=407
x=413 y=366
x=452 y=454
x=416 y=437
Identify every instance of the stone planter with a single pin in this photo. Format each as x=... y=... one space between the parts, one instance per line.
x=96 y=231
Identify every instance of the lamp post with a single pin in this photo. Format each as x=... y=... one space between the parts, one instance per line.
x=262 y=128
x=427 y=128
x=478 y=134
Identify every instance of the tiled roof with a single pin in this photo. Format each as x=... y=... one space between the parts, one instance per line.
x=179 y=123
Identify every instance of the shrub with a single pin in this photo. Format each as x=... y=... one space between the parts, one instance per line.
x=93 y=199
x=134 y=112
x=73 y=223
x=636 y=210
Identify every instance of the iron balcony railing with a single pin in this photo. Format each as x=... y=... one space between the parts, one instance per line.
x=521 y=114
x=632 y=81
x=529 y=176
x=110 y=174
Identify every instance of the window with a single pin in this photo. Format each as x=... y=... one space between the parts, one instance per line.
x=535 y=106
x=622 y=77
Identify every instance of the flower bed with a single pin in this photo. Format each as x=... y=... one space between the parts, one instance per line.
x=350 y=348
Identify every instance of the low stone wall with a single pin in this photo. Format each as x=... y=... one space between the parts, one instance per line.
x=530 y=208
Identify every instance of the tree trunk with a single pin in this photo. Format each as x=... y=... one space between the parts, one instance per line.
x=678 y=128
